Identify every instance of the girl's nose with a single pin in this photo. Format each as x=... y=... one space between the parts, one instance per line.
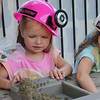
x=38 y=40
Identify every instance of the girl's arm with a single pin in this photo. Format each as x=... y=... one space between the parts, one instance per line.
x=62 y=68
x=83 y=77
x=4 y=82
x=63 y=65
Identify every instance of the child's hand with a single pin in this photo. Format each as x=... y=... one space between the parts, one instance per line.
x=57 y=73
x=21 y=75
x=26 y=73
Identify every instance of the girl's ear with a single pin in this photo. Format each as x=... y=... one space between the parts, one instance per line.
x=20 y=30
x=20 y=38
x=21 y=33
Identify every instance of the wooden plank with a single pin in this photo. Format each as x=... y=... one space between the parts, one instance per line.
x=79 y=21
x=98 y=6
x=10 y=23
x=21 y=2
x=91 y=14
x=68 y=32
x=1 y=29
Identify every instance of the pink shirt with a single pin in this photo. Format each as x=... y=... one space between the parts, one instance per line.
x=17 y=61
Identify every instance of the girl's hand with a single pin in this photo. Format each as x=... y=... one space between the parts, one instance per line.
x=20 y=75
x=26 y=73
x=57 y=73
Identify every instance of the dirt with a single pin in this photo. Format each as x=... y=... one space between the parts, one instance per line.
x=28 y=91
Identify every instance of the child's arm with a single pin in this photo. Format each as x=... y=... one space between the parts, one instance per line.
x=62 y=68
x=4 y=82
x=83 y=76
x=26 y=73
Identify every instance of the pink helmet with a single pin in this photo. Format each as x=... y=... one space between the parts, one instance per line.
x=40 y=11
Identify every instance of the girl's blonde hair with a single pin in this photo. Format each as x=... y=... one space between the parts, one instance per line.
x=20 y=38
x=91 y=39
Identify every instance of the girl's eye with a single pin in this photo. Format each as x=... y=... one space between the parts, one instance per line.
x=45 y=37
x=32 y=36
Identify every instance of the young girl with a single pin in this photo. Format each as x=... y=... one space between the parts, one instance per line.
x=88 y=59
x=37 y=27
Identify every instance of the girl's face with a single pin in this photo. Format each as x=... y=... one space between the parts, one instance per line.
x=36 y=36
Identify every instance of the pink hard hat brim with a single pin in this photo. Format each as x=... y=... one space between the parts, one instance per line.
x=18 y=16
